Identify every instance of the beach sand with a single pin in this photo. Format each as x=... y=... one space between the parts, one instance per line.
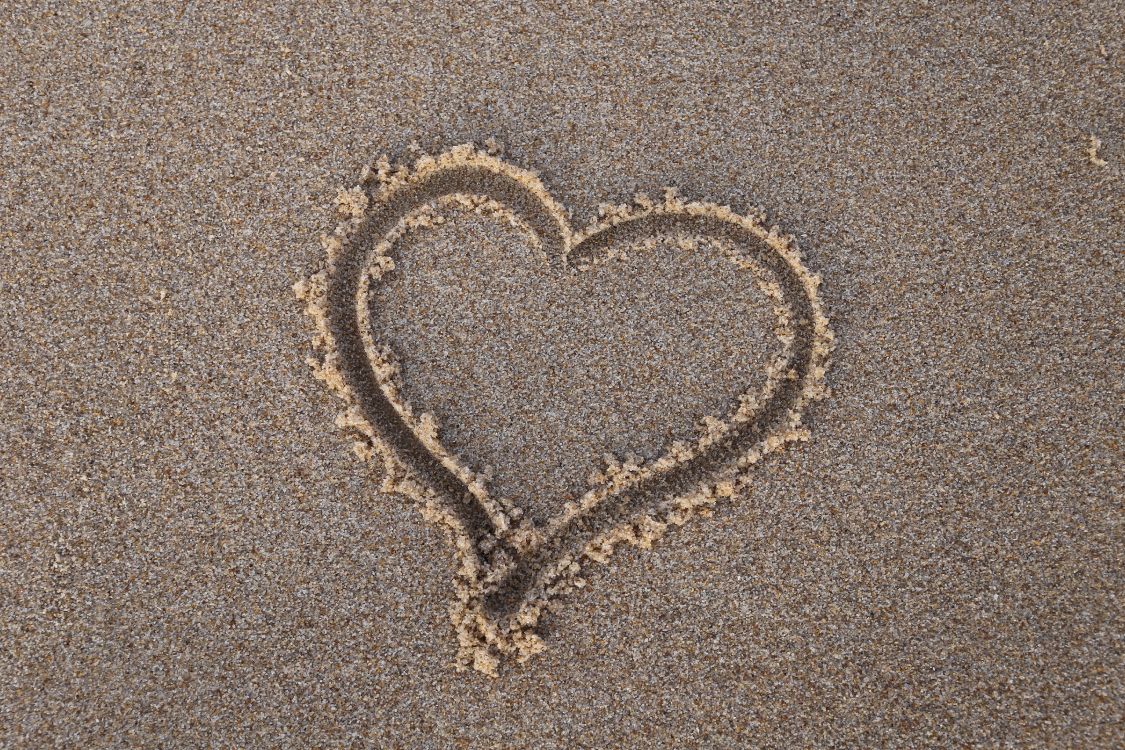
x=192 y=555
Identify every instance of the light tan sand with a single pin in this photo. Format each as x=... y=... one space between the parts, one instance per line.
x=190 y=555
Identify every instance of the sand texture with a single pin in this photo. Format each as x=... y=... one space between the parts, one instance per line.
x=207 y=542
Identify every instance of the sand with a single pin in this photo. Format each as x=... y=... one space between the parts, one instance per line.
x=192 y=555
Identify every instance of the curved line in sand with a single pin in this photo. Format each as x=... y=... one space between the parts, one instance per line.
x=508 y=569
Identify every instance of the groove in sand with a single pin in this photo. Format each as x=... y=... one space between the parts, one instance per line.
x=508 y=569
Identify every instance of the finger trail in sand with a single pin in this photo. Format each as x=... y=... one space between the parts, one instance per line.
x=509 y=567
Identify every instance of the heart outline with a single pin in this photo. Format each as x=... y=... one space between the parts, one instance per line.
x=507 y=573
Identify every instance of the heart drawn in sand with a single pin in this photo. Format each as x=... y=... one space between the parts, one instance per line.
x=510 y=567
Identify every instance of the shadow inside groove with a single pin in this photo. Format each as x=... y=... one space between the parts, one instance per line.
x=356 y=367
x=523 y=579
